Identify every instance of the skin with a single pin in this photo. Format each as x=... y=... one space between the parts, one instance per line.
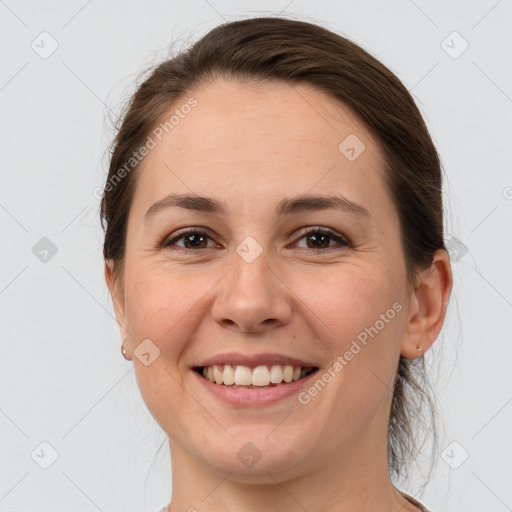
x=251 y=145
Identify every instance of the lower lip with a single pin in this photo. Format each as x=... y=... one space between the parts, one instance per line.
x=253 y=396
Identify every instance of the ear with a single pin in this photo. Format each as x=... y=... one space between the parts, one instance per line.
x=427 y=307
x=117 y=294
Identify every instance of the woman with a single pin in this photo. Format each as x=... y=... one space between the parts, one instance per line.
x=274 y=250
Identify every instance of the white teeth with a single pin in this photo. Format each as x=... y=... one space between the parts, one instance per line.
x=276 y=374
x=261 y=376
x=243 y=376
x=229 y=375
x=218 y=375
x=287 y=373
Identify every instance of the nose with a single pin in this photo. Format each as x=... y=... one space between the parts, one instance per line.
x=252 y=297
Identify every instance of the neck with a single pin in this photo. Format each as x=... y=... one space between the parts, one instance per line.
x=347 y=481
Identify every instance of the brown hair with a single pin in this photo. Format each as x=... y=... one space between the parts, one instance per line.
x=291 y=51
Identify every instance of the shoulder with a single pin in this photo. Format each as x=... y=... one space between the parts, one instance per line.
x=415 y=502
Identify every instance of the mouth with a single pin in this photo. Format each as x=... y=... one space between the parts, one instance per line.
x=255 y=377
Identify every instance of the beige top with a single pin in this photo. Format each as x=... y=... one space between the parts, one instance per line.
x=406 y=496
x=415 y=502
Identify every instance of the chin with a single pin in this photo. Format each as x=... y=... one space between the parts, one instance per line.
x=257 y=461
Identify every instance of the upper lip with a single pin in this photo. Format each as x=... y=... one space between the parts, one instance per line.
x=236 y=359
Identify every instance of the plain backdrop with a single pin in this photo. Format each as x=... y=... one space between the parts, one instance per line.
x=74 y=431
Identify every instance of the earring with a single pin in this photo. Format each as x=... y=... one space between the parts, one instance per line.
x=419 y=348
x=123 y=350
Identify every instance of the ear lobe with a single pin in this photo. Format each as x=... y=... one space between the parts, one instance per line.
x=428 y=306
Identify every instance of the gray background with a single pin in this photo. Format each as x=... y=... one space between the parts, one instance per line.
x=63 y=380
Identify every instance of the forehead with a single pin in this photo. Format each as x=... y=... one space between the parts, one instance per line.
x=246 y=138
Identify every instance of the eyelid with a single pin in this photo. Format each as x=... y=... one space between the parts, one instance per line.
x=321 y=229
x=341 y=239
x=167 y=240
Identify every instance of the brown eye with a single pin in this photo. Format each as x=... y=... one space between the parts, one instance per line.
x=316 y=240
x=320 y=239
x=194 y=241
x=191 y=240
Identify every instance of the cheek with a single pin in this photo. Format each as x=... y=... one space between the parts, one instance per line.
x=163 y=306
x=358 y=316
x=345 y=300
x=361 y=317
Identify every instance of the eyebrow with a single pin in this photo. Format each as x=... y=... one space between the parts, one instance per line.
x=288 y=206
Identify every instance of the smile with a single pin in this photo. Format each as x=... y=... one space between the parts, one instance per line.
x=262 y=376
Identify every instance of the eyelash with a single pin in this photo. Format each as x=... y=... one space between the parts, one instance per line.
x=342 y=241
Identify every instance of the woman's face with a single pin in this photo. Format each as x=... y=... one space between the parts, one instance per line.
x=253 y=283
